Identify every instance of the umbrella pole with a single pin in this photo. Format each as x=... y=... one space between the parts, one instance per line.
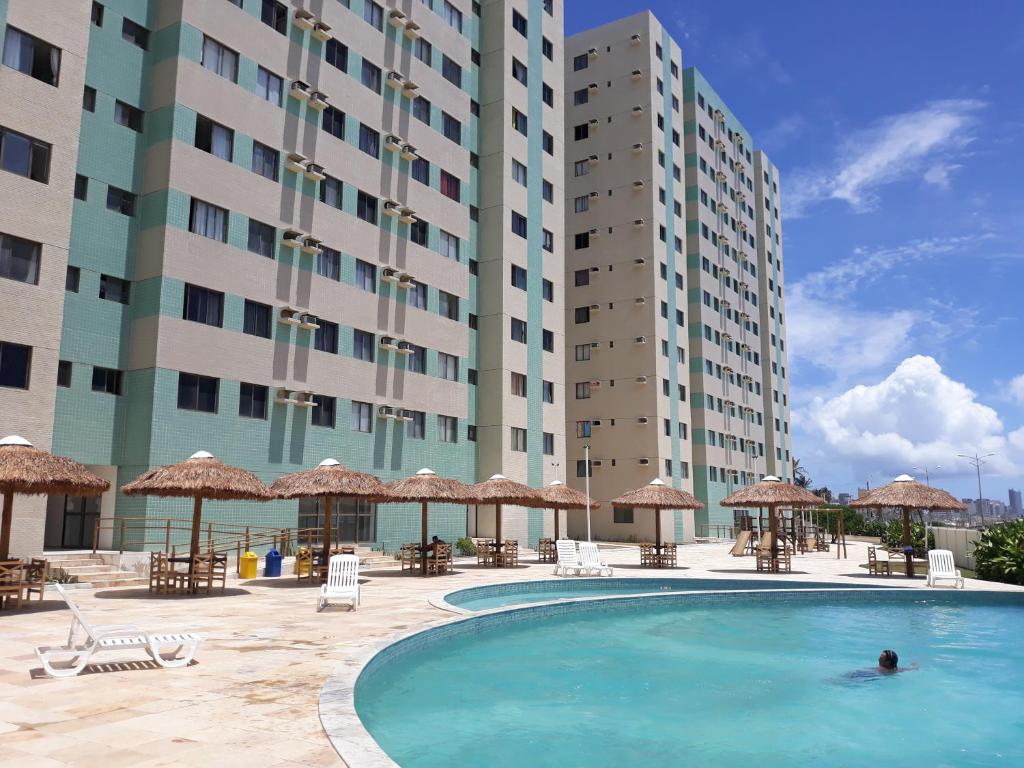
x=193 y=548
x=5 y=526
x=772 y=528
x=657 y=528
x=328 y=514
x=497 y=523
x=423 y=537
x=556 y=523
x=909 y=555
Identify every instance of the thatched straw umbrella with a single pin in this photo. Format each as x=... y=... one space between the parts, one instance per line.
x=425 y=487
x=557 y=495
x=30 y=471
x=199 y=477
x=657 y=496
x=329 y=480
x=772 y=493
x=906 y=493
x=498 y=490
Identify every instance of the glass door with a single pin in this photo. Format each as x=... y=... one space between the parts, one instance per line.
x=80 y=516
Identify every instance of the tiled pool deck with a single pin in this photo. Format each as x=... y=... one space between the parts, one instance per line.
x=252 y=698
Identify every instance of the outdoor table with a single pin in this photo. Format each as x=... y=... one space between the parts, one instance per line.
x=182 y=577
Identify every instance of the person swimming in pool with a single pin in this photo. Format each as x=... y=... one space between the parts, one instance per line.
x=888 y=664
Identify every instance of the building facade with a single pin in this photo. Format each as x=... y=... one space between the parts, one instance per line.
x=1016 y=507
x=255 y=228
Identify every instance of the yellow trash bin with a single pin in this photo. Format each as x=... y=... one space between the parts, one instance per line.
x=247 y=568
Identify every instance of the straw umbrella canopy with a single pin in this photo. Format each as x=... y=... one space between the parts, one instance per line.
x=498 y=490
x=906 y=493
x=557 y=495
x=32 y=472
x=329 y=480
x=657 y=496
x=199 y=477
x=772 y=493
x=425 y=487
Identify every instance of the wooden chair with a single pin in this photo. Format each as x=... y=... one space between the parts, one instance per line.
x=12 y=576
x=786 y=559
x=647 y=556
x=764 y=552
x=161 y=572
x=668 y=555
x=876 y=566
x=441 y=562
x=508 y=555
x=37 y=571
x=484 y=552
x=409 y=557
x=208 y=569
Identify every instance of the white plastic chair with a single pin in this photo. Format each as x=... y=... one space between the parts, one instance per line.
x=342 y=581
x=70 y=659
x=568 y=558
x=590 y=559
x=942 y=568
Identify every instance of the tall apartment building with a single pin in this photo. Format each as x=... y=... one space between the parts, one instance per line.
x=279 y=232
x=673 y=275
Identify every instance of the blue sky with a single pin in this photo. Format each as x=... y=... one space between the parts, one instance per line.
x=898 y=129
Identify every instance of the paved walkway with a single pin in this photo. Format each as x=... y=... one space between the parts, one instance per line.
x=252 y=696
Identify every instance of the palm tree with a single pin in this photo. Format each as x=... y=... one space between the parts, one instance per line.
x=800 y=476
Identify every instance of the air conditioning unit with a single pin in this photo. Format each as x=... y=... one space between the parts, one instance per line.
x=595 y=232
x=385 y=412
x=595 y=307
x=304 y=400
x=309 y=322
x=638 y=148
x=641 y=419
x=641 y=379
x=296 y=162
x=593 y=159
x=643 y=462
x=595 y=385
x=719 y=144
x=640 y=339
x=592 y=87
x=721 y=176
x=635 y=39
x=737 y=137
x=595 y=345
x=596 y=463
x=407 y=216
x=404 y=415
x=594 y=195
x=742 y=225
x=639 y=261
x=392 y=208
x=314 y=172
x=405 y=348
x=303 y=19
x=387 y=342
x=724 y=240
x=410 y=89
x=299 y=90
x=595 y=423
x=292 y=238
x=405 y=280
x=595 y=270
x=396 y=18
x=285 y=397
x=637 y=74
x=638 y=110
x=311 y=246
x=740 y=197
x=392 y=143
x=395 y=79
x=593 y=122
x=409 y=152
x=639 y=184
x=638 y=223
x=412 y=30
x=322 y=31
x=389 y=274
x=592 y=53
x=288 y=316
x=719 y=116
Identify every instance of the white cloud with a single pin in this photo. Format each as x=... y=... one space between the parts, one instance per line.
x=788 y=128
x=915 y=416
x=909 y=144
x=1016 y=388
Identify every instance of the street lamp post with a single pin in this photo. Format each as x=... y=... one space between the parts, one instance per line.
x=977 y=461
x=927 y=475
x=927 y=481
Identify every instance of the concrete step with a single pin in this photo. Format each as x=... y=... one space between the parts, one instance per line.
x=74 y=562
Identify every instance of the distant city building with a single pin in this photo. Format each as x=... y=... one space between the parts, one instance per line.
x=843 y=499
x=1016 y=508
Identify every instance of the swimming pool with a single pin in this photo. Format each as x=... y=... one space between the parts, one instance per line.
x=708 y=680
x=525 y=592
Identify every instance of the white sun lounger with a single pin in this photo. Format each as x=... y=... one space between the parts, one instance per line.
x=70 y=659
x=590 y=559
x=568 y=558
x=942 y=568
x=342 y=581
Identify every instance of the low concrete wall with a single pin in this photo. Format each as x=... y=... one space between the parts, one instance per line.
x=960 y=541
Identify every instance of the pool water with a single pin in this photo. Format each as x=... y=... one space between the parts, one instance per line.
x=730 y=683
x=524 y=592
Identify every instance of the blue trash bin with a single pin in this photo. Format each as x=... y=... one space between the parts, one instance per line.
x=272 y=565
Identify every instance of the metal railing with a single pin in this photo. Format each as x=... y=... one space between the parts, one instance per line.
x=711 y=531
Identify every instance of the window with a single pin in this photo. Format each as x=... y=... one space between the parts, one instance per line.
x=547 y=190
x=19 y=260
x=63 y=373
x=265 y=161
x=581 y=277
x=72 y=277
x=448 y=245
x=366 y=276
x=268 y=86
x=417 y=296
x=256 y=321
x=518 y=224
x=275 y=16
x=453 y=16
x=370 y=76
x=582 y=315
x=252 y=401
x=547 y=241
x=366 y=207
x=26 y=156
x=107 y=380
x=581 y=241
x=518 y=330
x=32 y=56
x=418 y=232
x=373 y=14
x=220 y=59
x=581 y=96
x=363 y=345
x=15 y=365
x=623 y=516
x=518 y=277
x=81 y=187
x=583 y=467
x=423 y=51
x=416 y=426
x=548 y=289
x=334 y=122
x=195 y=393
x=97 y=14
x=548 y=391
x=416 y=362
x=518 y=439
x=214 y=138
x=261 y=238
x=547 y=48
x=128 y=116
x=325 y=338
x=448 y=429
x=519 y=122
x=136 y=34
x=328 y=263
x=582 y=203
x=203 y=306
x=547 y=94
x=519 y=70
x=89 y=99
x=421 y=109
x=581 y=167
x=583 y=390
x=451 y=128
x=547 y=340
x=114 y=289
x=451 y=186
x=447 y=366
x=548 y=443
x=331 y=192
x=369 y=141
x=208 y=220
x=580 y=62
x=451 y=71
x=419 y=169
x=448 y=305
x=519 y=23
x=518 y=383
x=324 y=411
x=582 y=352
x=518 y=172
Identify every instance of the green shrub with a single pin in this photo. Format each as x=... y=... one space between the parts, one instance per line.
x=1000 y=553
x=465 y=547
x=892 y=537
x=60 y=576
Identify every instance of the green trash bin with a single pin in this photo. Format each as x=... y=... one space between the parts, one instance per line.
x=247 y=568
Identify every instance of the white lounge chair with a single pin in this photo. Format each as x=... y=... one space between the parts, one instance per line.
x=70 y=659
x=590 y=559
x=568 y=558
x=342 y=581
x=942 y=568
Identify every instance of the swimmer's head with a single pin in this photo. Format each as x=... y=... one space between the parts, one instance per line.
x=888 y=660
